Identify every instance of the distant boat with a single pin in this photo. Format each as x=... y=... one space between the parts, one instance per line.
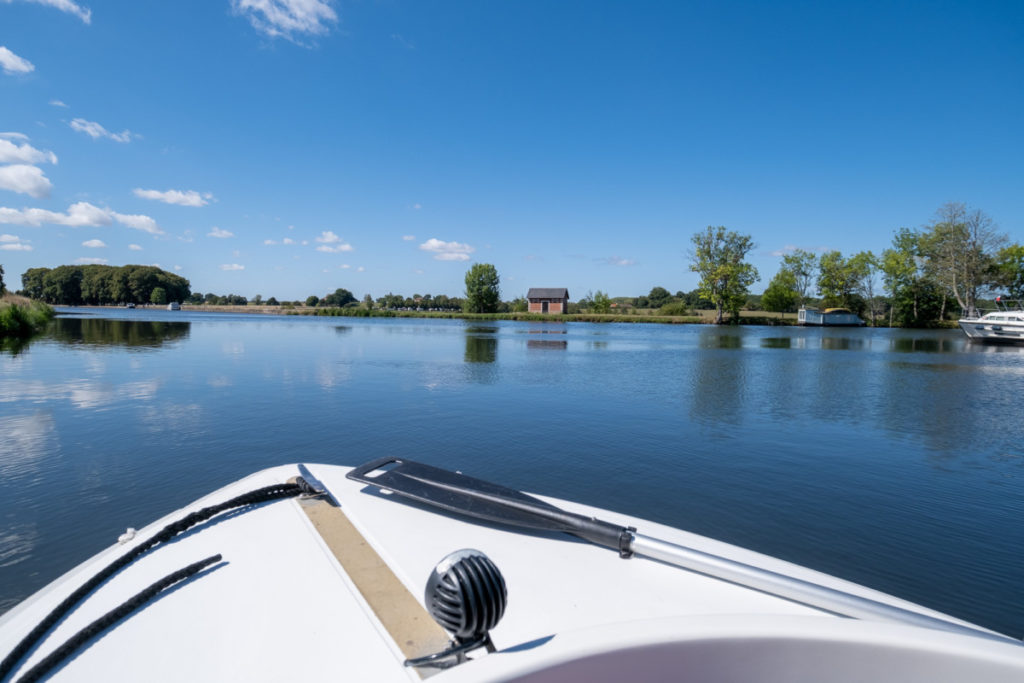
x=174 y=306
x=1005 y=324
x=129 y=305
x=830 y=317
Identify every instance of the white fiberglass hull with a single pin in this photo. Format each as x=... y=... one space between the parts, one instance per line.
x=979 y=329
x=281 y=605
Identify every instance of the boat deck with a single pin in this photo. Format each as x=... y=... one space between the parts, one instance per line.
x=280 y=604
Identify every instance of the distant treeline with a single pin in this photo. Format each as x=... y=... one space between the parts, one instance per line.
x=98 y=285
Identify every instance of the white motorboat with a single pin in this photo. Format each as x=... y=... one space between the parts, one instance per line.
x=324 y=577
x=1005 y=324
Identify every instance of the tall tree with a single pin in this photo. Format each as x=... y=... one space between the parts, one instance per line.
x=836 y=281
x=1008 y=271
x=803 y=265
x=718 y=257
x=601 y=302
x=658 y=297
x=482 y=289
x=864 y=268
x=3 y=287
x=340 y=297
x=781 y=294
x=960 y=245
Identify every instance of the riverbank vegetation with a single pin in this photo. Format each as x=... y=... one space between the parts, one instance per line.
x=21 y=317
x=99 y=285
x=926 y=278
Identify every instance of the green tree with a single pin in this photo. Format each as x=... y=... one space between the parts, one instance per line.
x=257 y=300
x=658 y=297
x=961 y=245
x=312 y=300
x=601 y=302
x=864 y=268
x=32 y=282
x=340 y=297
x=368 y=302
x=3 y=287
x=519 y=305
x=725 y=277
x=158 y=296
x=803 y=265
x=482 y=289
x=1008 y=271
x=781 y=294
x=63 y=285
x=272 y=301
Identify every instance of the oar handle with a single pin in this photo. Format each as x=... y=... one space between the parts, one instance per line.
x=791 y=588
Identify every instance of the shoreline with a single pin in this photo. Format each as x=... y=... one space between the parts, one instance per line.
x=759 y=318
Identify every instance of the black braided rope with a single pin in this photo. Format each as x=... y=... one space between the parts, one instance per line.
x=265 y=494
x=112 y=617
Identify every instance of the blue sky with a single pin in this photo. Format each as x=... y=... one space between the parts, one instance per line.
x=291 y=147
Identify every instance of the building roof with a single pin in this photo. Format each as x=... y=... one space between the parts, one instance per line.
x=548 y=293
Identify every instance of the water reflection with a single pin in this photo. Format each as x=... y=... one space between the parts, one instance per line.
x=927 y=345
x=129 y=333
x=547 y=344
x=842 y=343
x=714 y=338
x=481 y=349
x=27 y=439
x=777 y=343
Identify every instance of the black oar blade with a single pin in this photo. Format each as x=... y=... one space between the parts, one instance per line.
x=480 y=499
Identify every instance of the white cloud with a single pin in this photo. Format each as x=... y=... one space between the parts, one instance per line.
x=186 y=198
x=269 y=243
x=134 y=247
x=338 y=249
x=617 y=261
x=25 y=179
x=89 y=261
x=11 y=153
x=79 y=215
x=344 y=266
x=69 y=6
x=94 y=244
x=58 y=103
x=177 y=267
x=138 y=222
x=232 y=266
x=289 y=19
x=14 y=243
x=328 y=238
x=287 y=240
x=360 y=269
x=409 y=238
x=447 y=251
x=217 y=232
x=417 y=206
x=13 y=64
x=96 y=131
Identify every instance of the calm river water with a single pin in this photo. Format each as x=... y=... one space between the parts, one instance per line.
x=892 y=458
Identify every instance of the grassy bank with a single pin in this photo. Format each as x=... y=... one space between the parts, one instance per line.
x=21 y=317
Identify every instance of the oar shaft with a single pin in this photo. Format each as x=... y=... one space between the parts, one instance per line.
x=791 y=588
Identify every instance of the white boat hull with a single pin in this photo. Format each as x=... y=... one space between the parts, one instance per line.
x=282 y=605
x=979 y=329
